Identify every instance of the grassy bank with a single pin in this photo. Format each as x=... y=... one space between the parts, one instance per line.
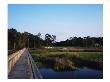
x=90 y=56
x=64 y=60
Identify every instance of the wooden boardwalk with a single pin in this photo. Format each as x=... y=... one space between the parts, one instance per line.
x=22 y=69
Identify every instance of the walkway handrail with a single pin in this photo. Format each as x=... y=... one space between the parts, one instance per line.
x=13 y=58
x=35 y=70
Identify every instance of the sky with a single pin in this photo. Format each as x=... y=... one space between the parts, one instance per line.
x=62 y=20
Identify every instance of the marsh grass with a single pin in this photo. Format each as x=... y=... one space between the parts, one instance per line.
x=67 y=60
x=83 y=55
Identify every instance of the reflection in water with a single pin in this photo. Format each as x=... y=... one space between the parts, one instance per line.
x=83 y=73
x=65 y=68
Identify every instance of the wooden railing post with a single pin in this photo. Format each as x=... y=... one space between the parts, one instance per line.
x=13 y=58
x=35 y=71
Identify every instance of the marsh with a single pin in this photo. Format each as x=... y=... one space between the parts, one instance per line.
x=69 y=65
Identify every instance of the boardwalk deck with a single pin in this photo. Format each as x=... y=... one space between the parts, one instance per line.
x=21 y=69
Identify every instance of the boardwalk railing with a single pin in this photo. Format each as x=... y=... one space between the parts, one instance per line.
x=13 y=58
x=35 y=71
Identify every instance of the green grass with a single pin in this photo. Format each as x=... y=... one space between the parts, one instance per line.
x=65 y=58
x=94 y=56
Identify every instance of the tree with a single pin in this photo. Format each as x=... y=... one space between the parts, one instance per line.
x=50 y=39
x=12 y=33
x=39 y=39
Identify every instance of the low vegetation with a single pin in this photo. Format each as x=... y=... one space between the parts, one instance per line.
x=68 y=60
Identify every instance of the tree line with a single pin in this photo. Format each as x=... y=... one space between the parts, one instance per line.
x=82 y=42
x=17 y=40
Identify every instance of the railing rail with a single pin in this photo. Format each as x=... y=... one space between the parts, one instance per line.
x=35 y=71
x=13 y=58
